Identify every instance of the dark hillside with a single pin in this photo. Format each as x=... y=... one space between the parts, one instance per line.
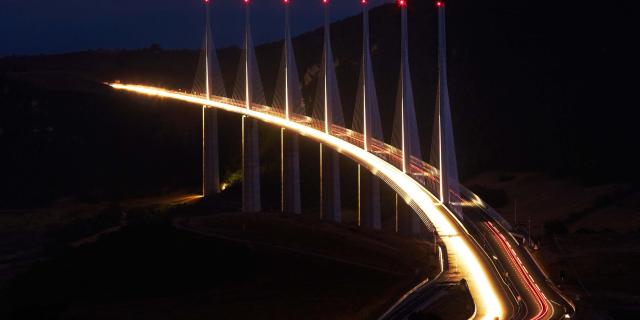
x=534 y=86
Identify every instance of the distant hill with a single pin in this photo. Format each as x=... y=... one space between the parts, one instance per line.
x=534 y=85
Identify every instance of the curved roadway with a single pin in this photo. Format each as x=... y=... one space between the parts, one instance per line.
x=493 y=288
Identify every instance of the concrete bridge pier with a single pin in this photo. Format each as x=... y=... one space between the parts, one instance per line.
x=290 y=172
x=407 y=221
x=250 y=166
x=330 y=206
x=368 y=200
x=210 y=163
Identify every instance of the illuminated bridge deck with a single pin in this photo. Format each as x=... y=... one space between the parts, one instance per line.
x=414 y=187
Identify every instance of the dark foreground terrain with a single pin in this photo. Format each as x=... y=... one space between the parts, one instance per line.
x=535 y=86
x=161 y=262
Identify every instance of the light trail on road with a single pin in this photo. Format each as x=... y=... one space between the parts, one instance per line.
x=482 y=287
x=535 y=291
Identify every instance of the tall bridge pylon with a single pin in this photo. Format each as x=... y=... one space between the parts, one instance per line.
x=399 y=165
x=288 y=99
x=443 y=154
x=328 y=116
x=328 y=108
x=366 y=120
x=405 y=129
x=249 y=89
x=209 y=81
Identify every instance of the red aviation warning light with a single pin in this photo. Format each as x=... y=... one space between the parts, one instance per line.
x=363 y=2
x=206 y=1
x=325 y=1
x=245 y=1
x=402 y=3
x=285 y=1
x=439 y=4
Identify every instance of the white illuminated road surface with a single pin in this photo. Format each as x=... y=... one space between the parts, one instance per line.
x=481 y=286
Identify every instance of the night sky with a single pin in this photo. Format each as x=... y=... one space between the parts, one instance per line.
x=41 y=27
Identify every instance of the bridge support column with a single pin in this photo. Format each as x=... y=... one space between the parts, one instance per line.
x=210 y=164
x=407 y=221
x=368 y=199
x=330 y=208
x=290 y=172
x=250 y=166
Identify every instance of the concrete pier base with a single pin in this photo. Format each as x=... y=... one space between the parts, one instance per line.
x=330 y=206
x=407 y=221
x=210 y=162
x=250 y=166
x=368 y=200
x=290 y=172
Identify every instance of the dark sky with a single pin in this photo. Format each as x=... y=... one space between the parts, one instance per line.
x=54 y=26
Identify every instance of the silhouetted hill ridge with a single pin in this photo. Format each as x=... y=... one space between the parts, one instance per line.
x=534 y=85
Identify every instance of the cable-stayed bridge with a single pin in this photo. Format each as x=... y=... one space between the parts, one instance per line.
x=503 y=278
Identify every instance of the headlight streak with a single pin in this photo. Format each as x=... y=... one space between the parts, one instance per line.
x=449 y=229
x=544 y=306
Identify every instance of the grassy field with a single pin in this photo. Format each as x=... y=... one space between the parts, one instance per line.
x=222 y=266
x=382 y=250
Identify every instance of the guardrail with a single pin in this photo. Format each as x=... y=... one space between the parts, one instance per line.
x=444 y=265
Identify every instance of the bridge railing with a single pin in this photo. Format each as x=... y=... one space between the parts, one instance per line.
x=423 y=172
